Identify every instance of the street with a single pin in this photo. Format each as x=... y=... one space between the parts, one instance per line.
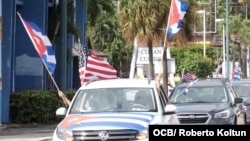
x=26 y=132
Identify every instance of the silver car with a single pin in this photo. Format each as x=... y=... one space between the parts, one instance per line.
x=243 y=89
x=208 y=102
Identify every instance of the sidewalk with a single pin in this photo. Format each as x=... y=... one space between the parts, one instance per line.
x=31 y=132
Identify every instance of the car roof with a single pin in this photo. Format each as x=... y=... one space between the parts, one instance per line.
x=200 y=83
x=241 y=81
x=120 y=83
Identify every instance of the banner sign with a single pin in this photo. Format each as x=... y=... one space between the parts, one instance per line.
x=143 y=55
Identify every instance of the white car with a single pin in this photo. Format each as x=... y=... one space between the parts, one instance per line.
x=118 y=109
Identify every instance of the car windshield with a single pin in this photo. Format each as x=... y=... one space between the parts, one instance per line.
x=242 y=89
x=208 y=94
x=114 y=100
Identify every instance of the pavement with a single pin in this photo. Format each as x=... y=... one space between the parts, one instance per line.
x=26 y=132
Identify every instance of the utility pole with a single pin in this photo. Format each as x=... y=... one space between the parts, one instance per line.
x=227 y=42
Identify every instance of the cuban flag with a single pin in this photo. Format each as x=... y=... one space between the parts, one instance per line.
x=236 y=74
x=176 y=14
x=42 y=44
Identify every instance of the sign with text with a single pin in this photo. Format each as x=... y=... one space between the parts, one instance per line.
x=143 y=55
x=157 y=132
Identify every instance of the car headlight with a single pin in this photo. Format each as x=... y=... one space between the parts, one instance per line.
x=222 y=114
x=142 y=135
x=64 y=134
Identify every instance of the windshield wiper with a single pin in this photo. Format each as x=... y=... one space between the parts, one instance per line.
x=200 y=102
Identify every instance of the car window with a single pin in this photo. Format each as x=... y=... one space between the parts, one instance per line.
x=114 y=99
x=242 y=89
x=204 y=94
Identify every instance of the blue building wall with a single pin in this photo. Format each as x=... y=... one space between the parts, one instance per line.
x=29 y=75
x=21 y=66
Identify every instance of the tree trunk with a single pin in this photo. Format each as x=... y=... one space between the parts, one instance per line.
x=244 y=61
x=151 y=73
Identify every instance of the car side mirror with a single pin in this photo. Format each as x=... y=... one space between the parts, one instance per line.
x=238 y=100
x=170 y=109
x=61 y=112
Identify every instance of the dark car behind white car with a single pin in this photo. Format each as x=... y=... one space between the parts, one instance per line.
x=243 y=89
x=208 y=102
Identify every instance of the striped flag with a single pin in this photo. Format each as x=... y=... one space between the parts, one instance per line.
x=92 y=67
x=41 y=43
x=176 y=14
x=188 y=76
x=236 y=74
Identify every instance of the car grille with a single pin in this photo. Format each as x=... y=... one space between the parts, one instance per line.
x=113 y=135
x=193 y=118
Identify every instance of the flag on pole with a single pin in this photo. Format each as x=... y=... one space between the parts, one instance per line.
x=188 y=77
x=41 y=43
x=92 y=67
x=236 y=74
x=191 y=83
x=176 y=14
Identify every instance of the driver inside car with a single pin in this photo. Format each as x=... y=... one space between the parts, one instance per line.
x=143 y=101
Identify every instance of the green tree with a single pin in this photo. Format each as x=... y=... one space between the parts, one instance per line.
x=240 y=39
x=192 y=59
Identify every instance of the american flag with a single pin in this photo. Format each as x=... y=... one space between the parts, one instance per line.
x=188 y=77
x=92 y=67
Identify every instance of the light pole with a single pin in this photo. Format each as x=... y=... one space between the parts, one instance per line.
x=227 y=38
x=204 y=30
x=223 y=48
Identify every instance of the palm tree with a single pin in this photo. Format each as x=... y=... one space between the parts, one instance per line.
x=240 y=38
x=143 y=19
x=140 y=19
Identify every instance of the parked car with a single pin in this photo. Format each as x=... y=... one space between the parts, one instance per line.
x=243 y=89
x=208 y=102
x=118 y=109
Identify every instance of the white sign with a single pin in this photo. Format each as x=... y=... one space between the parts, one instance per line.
x=143 y=56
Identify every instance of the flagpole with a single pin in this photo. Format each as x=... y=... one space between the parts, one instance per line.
x=52 y=78
x=41 y=59
x=164 y=48
x=166 y=33
x=181 y=80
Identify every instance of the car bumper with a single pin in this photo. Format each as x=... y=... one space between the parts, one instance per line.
x=214 y=121
x=222 y=121
x=55 y=138
x=248 y=115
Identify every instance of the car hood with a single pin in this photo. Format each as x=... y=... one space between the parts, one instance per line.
x=200 y=107
x=136 y=121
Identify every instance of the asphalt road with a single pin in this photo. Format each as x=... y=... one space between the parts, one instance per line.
x=26 y=132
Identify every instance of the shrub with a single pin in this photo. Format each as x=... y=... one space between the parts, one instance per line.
x=34 y=106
